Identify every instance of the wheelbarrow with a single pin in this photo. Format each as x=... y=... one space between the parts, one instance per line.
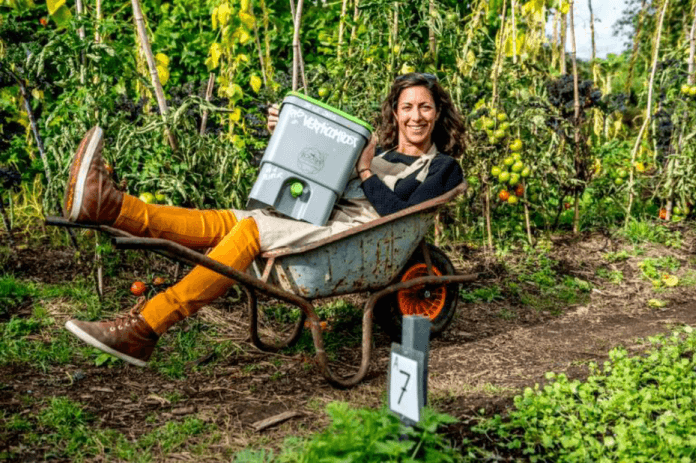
x=387 y=257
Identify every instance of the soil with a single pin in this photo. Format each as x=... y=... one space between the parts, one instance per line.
x=490 y=353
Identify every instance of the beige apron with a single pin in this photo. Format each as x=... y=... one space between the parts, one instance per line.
x=353 y=208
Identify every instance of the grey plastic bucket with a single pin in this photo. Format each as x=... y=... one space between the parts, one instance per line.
x=309 y=159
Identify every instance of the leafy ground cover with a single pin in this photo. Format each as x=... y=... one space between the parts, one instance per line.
x=559 y=308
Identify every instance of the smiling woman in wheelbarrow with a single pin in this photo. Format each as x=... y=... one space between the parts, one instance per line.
x=421 y=132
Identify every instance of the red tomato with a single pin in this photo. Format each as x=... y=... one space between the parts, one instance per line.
x=504 y=195
x=138 y=288
x=663 y=214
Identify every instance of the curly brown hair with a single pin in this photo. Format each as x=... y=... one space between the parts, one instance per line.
x=449 y=131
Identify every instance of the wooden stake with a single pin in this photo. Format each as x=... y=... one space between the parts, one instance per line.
x=564 y=27
x=648 y=111
x=576 y=117
x=431 y=31
x=297 y=61
x=487 y=214
x=341 y=28
x=692 y=50
x=636 y=41
x=514 y=34
x=208 y=96
x=97 y=35
x=147 y=51
x=356 y=13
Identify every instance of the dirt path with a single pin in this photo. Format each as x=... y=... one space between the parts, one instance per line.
x=491 y=352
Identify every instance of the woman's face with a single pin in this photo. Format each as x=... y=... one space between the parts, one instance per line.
x=415 y=115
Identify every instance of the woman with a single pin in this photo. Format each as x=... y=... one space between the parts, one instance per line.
x=422 y=133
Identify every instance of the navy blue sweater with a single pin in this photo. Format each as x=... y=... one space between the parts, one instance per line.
x=443 y=175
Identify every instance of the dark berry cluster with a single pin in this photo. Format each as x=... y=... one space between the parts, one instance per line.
x=615 y=102
x=663 y=130
x=9 y=178
x=562 y=94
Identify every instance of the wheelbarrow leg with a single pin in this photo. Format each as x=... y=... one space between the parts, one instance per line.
x=254 y=326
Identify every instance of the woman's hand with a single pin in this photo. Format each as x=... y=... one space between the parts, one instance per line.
x=273 y=114
x=365 y=160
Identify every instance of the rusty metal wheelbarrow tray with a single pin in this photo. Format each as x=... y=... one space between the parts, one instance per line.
x=367 y=257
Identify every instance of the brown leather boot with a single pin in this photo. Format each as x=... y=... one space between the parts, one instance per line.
x=90 y=196
x=128 y=337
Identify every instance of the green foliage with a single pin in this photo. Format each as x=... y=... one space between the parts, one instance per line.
x=72 y=435
x=372 y=436
x=654 y=268
x=644 y=231
x=634 y=409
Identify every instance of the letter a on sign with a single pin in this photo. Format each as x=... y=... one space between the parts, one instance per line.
x=405 y=384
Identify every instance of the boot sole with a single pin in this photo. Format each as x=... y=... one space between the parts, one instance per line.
x=84 y=163
x=70 y=326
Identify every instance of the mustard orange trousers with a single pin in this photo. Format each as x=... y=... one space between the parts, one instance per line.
x=235 y=243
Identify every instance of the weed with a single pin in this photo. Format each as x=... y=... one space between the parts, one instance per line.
x=617 y=256
x=646 y=231
x=614 y=276
x=506 y=314
x=598 y=420
x=653 y=268
x=485 y=294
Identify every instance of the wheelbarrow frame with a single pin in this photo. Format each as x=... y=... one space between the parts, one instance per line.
x=252 y=284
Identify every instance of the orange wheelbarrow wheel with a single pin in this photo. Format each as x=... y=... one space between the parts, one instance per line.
x=437 y=302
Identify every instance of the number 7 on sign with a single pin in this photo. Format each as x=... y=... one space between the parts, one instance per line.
x=403 y=393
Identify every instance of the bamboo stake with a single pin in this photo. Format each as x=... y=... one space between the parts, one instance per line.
x=554 y=41
x=395 y=25
x=297 y=61
x=341 y=28
x=692 y=50
x=208 y=96
x=592 y=32
x=527 y=222
x=487 y=214
x=97 y=35
x=576 y=118
x=266 y=40
x=634 y=52
x=514 y=33
x=353 y=28
x=648 y=111
x=8 y=226
x=259 y=49
x=564 y=27
x=431 y=30
x=147 y=50
x=499 y=58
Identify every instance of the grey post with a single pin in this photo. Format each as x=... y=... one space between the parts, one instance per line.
x=415 y=335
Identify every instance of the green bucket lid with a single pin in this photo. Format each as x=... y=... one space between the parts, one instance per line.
x=332 y=109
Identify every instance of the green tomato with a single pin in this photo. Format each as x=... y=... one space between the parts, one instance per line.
x=500 y=133
x=692 y=90
x=160 y=197
x=526 y=172
x=147 y=197
x=622 y=173
x=323 y=91
x=618 y=181
x=516 y=145
x=685 y=89
x=502 y=117
x=676 y=210
x=514 y=179
x=518 y=166
x=488 y=123
x=512 y=199
x=492 y=140
x=504 y=177
x=495 y=171
x=508 y=161
x=505 y=126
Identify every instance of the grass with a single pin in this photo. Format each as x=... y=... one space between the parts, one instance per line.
x=72 y=434
x=639 y=231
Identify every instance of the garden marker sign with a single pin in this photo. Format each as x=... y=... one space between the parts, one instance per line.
x=408 y=370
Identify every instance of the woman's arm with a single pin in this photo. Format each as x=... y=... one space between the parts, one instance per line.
x=443 y=175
